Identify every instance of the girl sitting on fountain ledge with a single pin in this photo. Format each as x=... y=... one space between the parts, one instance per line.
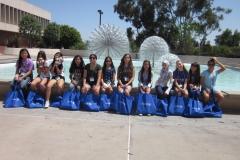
x=57 y=71
x=23 y=75
x=180 y=76
x=161 y=84
x=92 y=76
x=194 y=80
x=108 y=76
x=208 y=81
x=125 y=75
x=76 y=73
x=43 y=73
x=145 y=77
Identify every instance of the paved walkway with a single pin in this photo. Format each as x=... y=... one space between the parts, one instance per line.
x=55 y=134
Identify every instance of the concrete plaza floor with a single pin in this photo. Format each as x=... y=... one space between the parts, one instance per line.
x=54 y=134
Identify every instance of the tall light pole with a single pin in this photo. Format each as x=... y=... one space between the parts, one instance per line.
x=100 y=12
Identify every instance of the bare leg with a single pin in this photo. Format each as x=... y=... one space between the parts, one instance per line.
x=42 y=85
x=60 y=84
x=34 y=83
x=205 y=98
x=119 y=88
x=220 y=98
x=85 y=89
x=49 y=88
x=128 y=90
x=96 y=90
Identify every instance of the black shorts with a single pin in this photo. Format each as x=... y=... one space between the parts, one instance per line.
x=118 y=84
x=58 y=77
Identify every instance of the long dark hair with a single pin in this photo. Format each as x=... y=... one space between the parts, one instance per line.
x=43 y=54
x=20 y=57
x=104 y=65
x=149 y=71
x=197 y=74
x=74 y=66
x=121 y=67
x=59 y=66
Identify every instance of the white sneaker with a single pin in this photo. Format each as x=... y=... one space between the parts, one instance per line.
x=149 y=114
x=140 y=114
x=46 y=105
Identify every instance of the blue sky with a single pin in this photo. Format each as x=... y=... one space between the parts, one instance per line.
x=83 y=15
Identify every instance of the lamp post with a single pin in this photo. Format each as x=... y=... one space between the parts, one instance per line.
x=100 y=12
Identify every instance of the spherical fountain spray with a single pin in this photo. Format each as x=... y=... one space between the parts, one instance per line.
x=109 y=40
x=153 y=48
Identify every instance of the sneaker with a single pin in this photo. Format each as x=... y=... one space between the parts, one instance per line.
x=149 y=114
x=46 y=105
x=140 y=114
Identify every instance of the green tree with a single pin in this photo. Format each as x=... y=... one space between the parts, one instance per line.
x=51 y=34
x=69 y=37
x=236 y=38
x=209 y=20
x=176 y=21
x=79 y=46
x=224 y=39
x=132 y=41
x=228 y=39
x=30 y=28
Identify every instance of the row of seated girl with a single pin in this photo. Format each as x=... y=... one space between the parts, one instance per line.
x=188 y=83
x=93 y=77
x=83 y=77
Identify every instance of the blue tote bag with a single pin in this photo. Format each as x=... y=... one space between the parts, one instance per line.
x=14 y=98
x=125 y=104
x=56 y=102
x=146 y=103
x=105 y=102
x=162 y=107
x=90 y=102
x=212 y=109
x=71 y=100
x=114 y=100
x=176 y=106
x=194 y=108
x=34 y=100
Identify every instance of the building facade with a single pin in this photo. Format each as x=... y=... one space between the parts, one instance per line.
x=12 y=11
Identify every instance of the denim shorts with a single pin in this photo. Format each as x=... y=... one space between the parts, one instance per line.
x=214 y=90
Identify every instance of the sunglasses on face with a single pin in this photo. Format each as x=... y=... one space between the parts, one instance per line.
x=92 y=58
x=210 y=64
x=193 y=65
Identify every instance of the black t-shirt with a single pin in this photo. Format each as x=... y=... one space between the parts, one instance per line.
x=92 y=75
x=77 y=73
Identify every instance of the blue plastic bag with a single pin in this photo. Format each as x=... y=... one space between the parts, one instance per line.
x=34 y=100
x=194 y=108
x=114 y=100
x=71 y=100
x=123 y=104
x=162 y=107
x=14 y=98
x=90 y=102
x=176 y=105
x=105 y=102
x=56 y=102
x=212 y=109
x=146 y=103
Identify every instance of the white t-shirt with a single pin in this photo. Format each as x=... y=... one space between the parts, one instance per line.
x=47 y=75
x=62 y=70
